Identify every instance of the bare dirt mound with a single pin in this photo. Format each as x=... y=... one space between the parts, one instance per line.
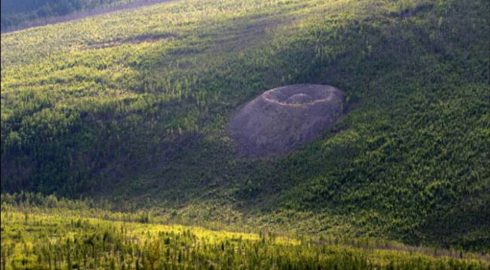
x=283 y=118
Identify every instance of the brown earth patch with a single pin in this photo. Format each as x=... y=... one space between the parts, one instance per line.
x=283 y=118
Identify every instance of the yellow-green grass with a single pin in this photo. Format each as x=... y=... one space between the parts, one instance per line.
x=133 y=106
x=62 y=239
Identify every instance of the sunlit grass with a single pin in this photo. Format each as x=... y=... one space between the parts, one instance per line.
x=31 y=239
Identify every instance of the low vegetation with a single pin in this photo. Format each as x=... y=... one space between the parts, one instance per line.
x=17 y=14
x=52 y=234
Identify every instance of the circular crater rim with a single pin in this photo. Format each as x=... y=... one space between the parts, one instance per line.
x=284 y=96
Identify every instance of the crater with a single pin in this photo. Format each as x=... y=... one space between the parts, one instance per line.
x=301 y=98
x=283 y=118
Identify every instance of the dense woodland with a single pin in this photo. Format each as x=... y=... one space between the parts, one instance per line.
x=134 y=110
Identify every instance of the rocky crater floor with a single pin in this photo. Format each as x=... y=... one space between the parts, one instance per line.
x=283 y=118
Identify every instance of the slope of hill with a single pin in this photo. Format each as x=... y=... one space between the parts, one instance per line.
x=133 y=106
x=20 y=14
x=69 y=235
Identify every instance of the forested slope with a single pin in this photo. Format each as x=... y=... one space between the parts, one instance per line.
x=48 y=233
x=134 y=106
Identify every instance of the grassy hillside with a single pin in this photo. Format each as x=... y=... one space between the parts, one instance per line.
x=18 y=14
x=64 y=234
x=133 y=106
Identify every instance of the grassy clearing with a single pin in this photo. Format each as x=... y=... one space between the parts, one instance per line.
x=47 y=238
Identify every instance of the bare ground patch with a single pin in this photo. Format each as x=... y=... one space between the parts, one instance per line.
x=283 y=118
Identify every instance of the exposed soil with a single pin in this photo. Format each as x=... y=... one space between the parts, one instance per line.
x=283 y=118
